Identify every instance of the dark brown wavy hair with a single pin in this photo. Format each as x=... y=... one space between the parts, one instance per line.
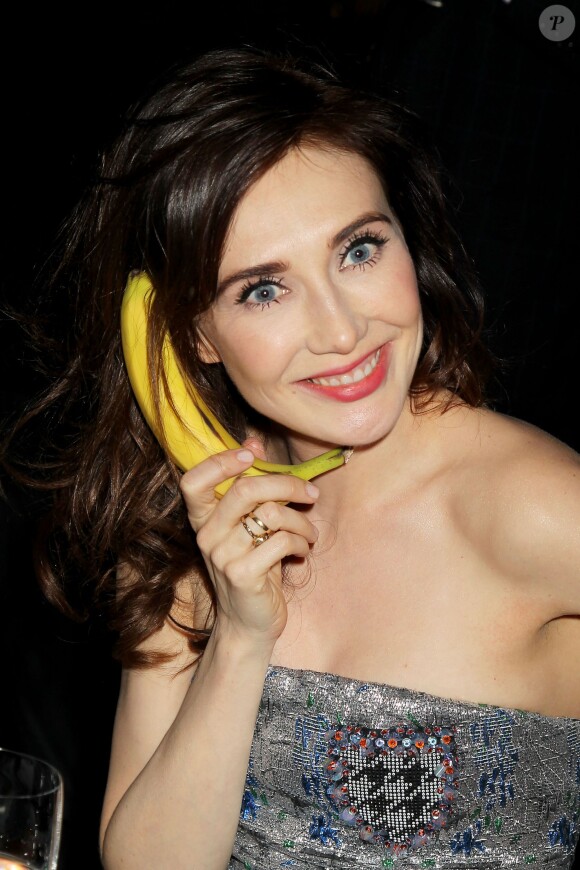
x=162 y=203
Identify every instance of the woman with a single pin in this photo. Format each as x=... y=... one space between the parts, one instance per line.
x=347 y=661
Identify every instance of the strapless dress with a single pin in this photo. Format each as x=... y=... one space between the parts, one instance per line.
x=349 y=774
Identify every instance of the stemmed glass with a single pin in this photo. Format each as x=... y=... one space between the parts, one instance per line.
x=31 y=799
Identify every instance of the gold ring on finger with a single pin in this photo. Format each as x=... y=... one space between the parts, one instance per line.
x=257 y=538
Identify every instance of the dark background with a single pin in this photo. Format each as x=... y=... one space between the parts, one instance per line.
x=499 y=100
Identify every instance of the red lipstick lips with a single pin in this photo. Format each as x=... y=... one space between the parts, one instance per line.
x=359 y=389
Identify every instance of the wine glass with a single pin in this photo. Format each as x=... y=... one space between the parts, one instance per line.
x=31 y=798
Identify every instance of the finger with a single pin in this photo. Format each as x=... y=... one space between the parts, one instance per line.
x=256 y=445
x=246 y=493
x=215 y=535
x=243 y=570
x=271 y=517
x=198 y=484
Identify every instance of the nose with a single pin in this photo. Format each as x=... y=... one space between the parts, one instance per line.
x=336 y=323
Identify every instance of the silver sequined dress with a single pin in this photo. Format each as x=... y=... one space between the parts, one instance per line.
x=348 y=774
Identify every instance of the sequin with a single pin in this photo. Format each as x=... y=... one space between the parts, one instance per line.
x=468 y=841
x=496 y=753
x=562 y=833
x=321 y=829
x=396 y=798
x=250 y=804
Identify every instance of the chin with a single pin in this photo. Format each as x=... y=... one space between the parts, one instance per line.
x=365 y=436
x=359 y=428
x=374 y=428
x=360 y=441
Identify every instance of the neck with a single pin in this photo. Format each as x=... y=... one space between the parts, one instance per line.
x=404 y=459
x=372 y=471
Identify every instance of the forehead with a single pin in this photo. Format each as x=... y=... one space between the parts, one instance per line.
x=309 y=190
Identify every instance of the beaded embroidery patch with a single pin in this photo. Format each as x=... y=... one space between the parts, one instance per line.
x=396 y=784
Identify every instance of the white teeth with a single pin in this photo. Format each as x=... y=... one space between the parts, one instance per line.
x=352 y=377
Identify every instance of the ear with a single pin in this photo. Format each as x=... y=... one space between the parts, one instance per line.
x=207 y=351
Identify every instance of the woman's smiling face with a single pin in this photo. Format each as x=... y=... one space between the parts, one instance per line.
x=318 y=321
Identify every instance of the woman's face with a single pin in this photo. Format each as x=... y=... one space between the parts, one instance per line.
x=318 y=321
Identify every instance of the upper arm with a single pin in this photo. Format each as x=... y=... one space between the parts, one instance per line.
x=149 y=701
x=538 y=524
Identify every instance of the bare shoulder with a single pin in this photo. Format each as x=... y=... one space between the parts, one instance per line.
x=527 y=484
x=527 y=462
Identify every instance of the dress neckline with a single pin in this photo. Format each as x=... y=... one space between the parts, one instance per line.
x=296 y=673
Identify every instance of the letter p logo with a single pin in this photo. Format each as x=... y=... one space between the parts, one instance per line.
x=557 y=23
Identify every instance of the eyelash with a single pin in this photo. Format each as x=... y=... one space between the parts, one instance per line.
x=361 y=237
x=250 y=286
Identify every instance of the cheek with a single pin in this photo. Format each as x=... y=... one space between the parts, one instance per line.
x=403 y=296
x=410 y=304
x=253 y=358
x=409 y=281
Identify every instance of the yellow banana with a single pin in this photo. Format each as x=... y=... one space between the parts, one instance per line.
x=189 y=431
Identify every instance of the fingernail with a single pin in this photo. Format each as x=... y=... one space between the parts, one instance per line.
x=312 y=490
x=245 y=455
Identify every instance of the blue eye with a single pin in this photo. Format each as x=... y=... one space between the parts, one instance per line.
x=359 y=254
x=263 y=294
x=362 y=250
x=260 y=293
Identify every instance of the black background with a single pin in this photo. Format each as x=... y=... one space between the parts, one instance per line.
x=499 y=100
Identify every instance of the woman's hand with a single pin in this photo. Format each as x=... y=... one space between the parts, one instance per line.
x=248 y=578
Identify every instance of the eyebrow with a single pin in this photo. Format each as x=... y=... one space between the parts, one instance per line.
x=275 y=266
x=368 y=218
